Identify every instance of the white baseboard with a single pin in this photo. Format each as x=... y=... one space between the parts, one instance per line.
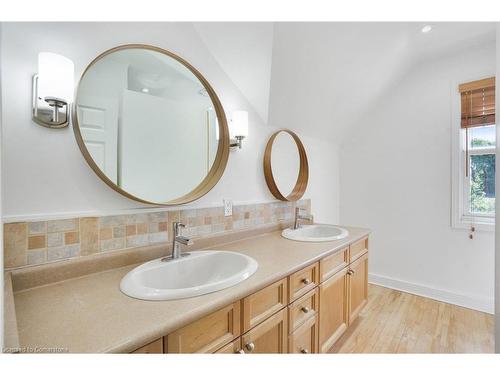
x=472 y=302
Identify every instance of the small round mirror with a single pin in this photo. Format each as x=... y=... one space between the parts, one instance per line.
x=285 y=166
x=150 y=125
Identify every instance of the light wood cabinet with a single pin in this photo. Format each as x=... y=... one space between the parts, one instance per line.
x=305 y=339
x=270 y=336
x=155 y=347
x=264 y=303
x=358 y=286
x=331 y=264
x=207 y=334
x=358 y=248
x=306 y=312
x=231 y=348
x=302 y=309
x=333 y=310
x=302 y=281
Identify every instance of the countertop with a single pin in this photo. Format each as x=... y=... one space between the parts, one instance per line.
x=90 y=314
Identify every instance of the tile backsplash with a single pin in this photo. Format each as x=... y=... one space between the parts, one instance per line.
x=37 y=242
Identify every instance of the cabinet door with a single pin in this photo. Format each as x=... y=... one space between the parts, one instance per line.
x=305 y=339
x=231 y=348
x=358 y=286
x=207 y=334
x=270 y=336
x=264 y=303
x=155 y=347
x=333 y=314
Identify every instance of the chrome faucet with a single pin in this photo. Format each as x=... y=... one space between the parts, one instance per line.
x=299 y=216
x=177 y=240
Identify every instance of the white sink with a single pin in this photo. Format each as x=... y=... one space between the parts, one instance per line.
x=198 y=273
x=315 y=233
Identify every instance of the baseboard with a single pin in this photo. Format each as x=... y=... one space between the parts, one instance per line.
x=472 y=302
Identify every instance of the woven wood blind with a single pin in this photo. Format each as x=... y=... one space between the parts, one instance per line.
x=478 y=103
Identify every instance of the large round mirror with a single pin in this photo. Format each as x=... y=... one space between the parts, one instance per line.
x=150 y=125
x=285 y=166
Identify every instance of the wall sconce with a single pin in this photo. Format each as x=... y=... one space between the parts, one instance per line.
x=52 y=90
x=238 y=128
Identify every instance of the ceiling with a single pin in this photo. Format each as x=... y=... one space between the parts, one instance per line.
x=320 y=78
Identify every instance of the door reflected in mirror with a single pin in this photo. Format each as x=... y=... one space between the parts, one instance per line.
x=151 y=125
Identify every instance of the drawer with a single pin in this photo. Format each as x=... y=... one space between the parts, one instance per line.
x=303 y=309
x=231 y=348
x=155 y=347
x=358 y=248
x=331 y=264
x=302 y=281
x=207 y=334
x=264 y=303
x=305 y=339
x=269 y=337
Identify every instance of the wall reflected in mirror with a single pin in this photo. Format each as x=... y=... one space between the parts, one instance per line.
x=148 y=123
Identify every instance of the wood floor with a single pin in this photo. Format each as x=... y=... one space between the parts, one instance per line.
x=397 y=322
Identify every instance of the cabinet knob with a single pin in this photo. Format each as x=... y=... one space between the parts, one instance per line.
x=304 y=351
x=305 y=309
x=250 y=346
x=240 y=351
x=350 y=272
x=306 y=281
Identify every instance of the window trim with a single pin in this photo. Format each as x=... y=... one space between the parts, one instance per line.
x=459 y=219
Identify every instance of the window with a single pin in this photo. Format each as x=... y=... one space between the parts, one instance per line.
x=476 y=167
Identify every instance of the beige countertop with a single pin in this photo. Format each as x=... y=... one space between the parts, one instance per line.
x=90 y=314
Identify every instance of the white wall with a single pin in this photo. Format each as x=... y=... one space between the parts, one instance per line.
x=497 y=231
x=1 y=198
x=396 y=180
x=44 y=172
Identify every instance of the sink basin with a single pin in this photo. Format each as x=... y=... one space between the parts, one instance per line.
x=315 y=233
x=198 y=273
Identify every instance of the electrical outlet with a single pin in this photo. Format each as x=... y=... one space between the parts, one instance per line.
x=228 y=207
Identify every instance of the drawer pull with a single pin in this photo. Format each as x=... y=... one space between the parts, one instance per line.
x=240 y=351
x=306 y=281
x=250 y=346
x=305 y=309
x=304 y=351
x=350 y=272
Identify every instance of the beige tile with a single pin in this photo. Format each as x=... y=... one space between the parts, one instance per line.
x=119 y=232
x=55 y=239
x=70 y=238
x=63 y=252
x=137 y=240
x=152 y=227
x=105 y=233
x=89 y=237
x=157 y=217
x=37 y=227
x=37 y=256
x=159 y=237
x=142 y=228
x=112 y=244
x=207 y=220
x=113 y=221
x=228 y=223
x=15 y=244
x=163 y=227
x=131 y=230
x=62 y=225
x=36 y=242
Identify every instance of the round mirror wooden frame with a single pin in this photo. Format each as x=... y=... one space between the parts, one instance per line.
x=303 y=177
x=220 y=162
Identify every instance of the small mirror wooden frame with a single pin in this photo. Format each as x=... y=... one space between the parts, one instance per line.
x=303 y=177
x=222 y=155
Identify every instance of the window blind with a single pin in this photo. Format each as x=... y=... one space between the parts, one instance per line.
x=478 y=103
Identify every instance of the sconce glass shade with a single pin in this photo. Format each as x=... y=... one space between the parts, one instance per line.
x=239 y=124
x=56 y=76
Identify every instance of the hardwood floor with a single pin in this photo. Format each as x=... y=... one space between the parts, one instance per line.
x=398 y=322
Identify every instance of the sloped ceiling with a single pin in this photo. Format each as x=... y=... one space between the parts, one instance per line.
x=244 y=52
x=320 y=78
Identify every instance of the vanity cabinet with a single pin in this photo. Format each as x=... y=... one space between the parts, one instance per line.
x=306 y=312
x=155 y=347
x=333 y=313
x=358 y=286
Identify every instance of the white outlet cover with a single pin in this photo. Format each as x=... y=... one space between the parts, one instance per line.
x=228 y=207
